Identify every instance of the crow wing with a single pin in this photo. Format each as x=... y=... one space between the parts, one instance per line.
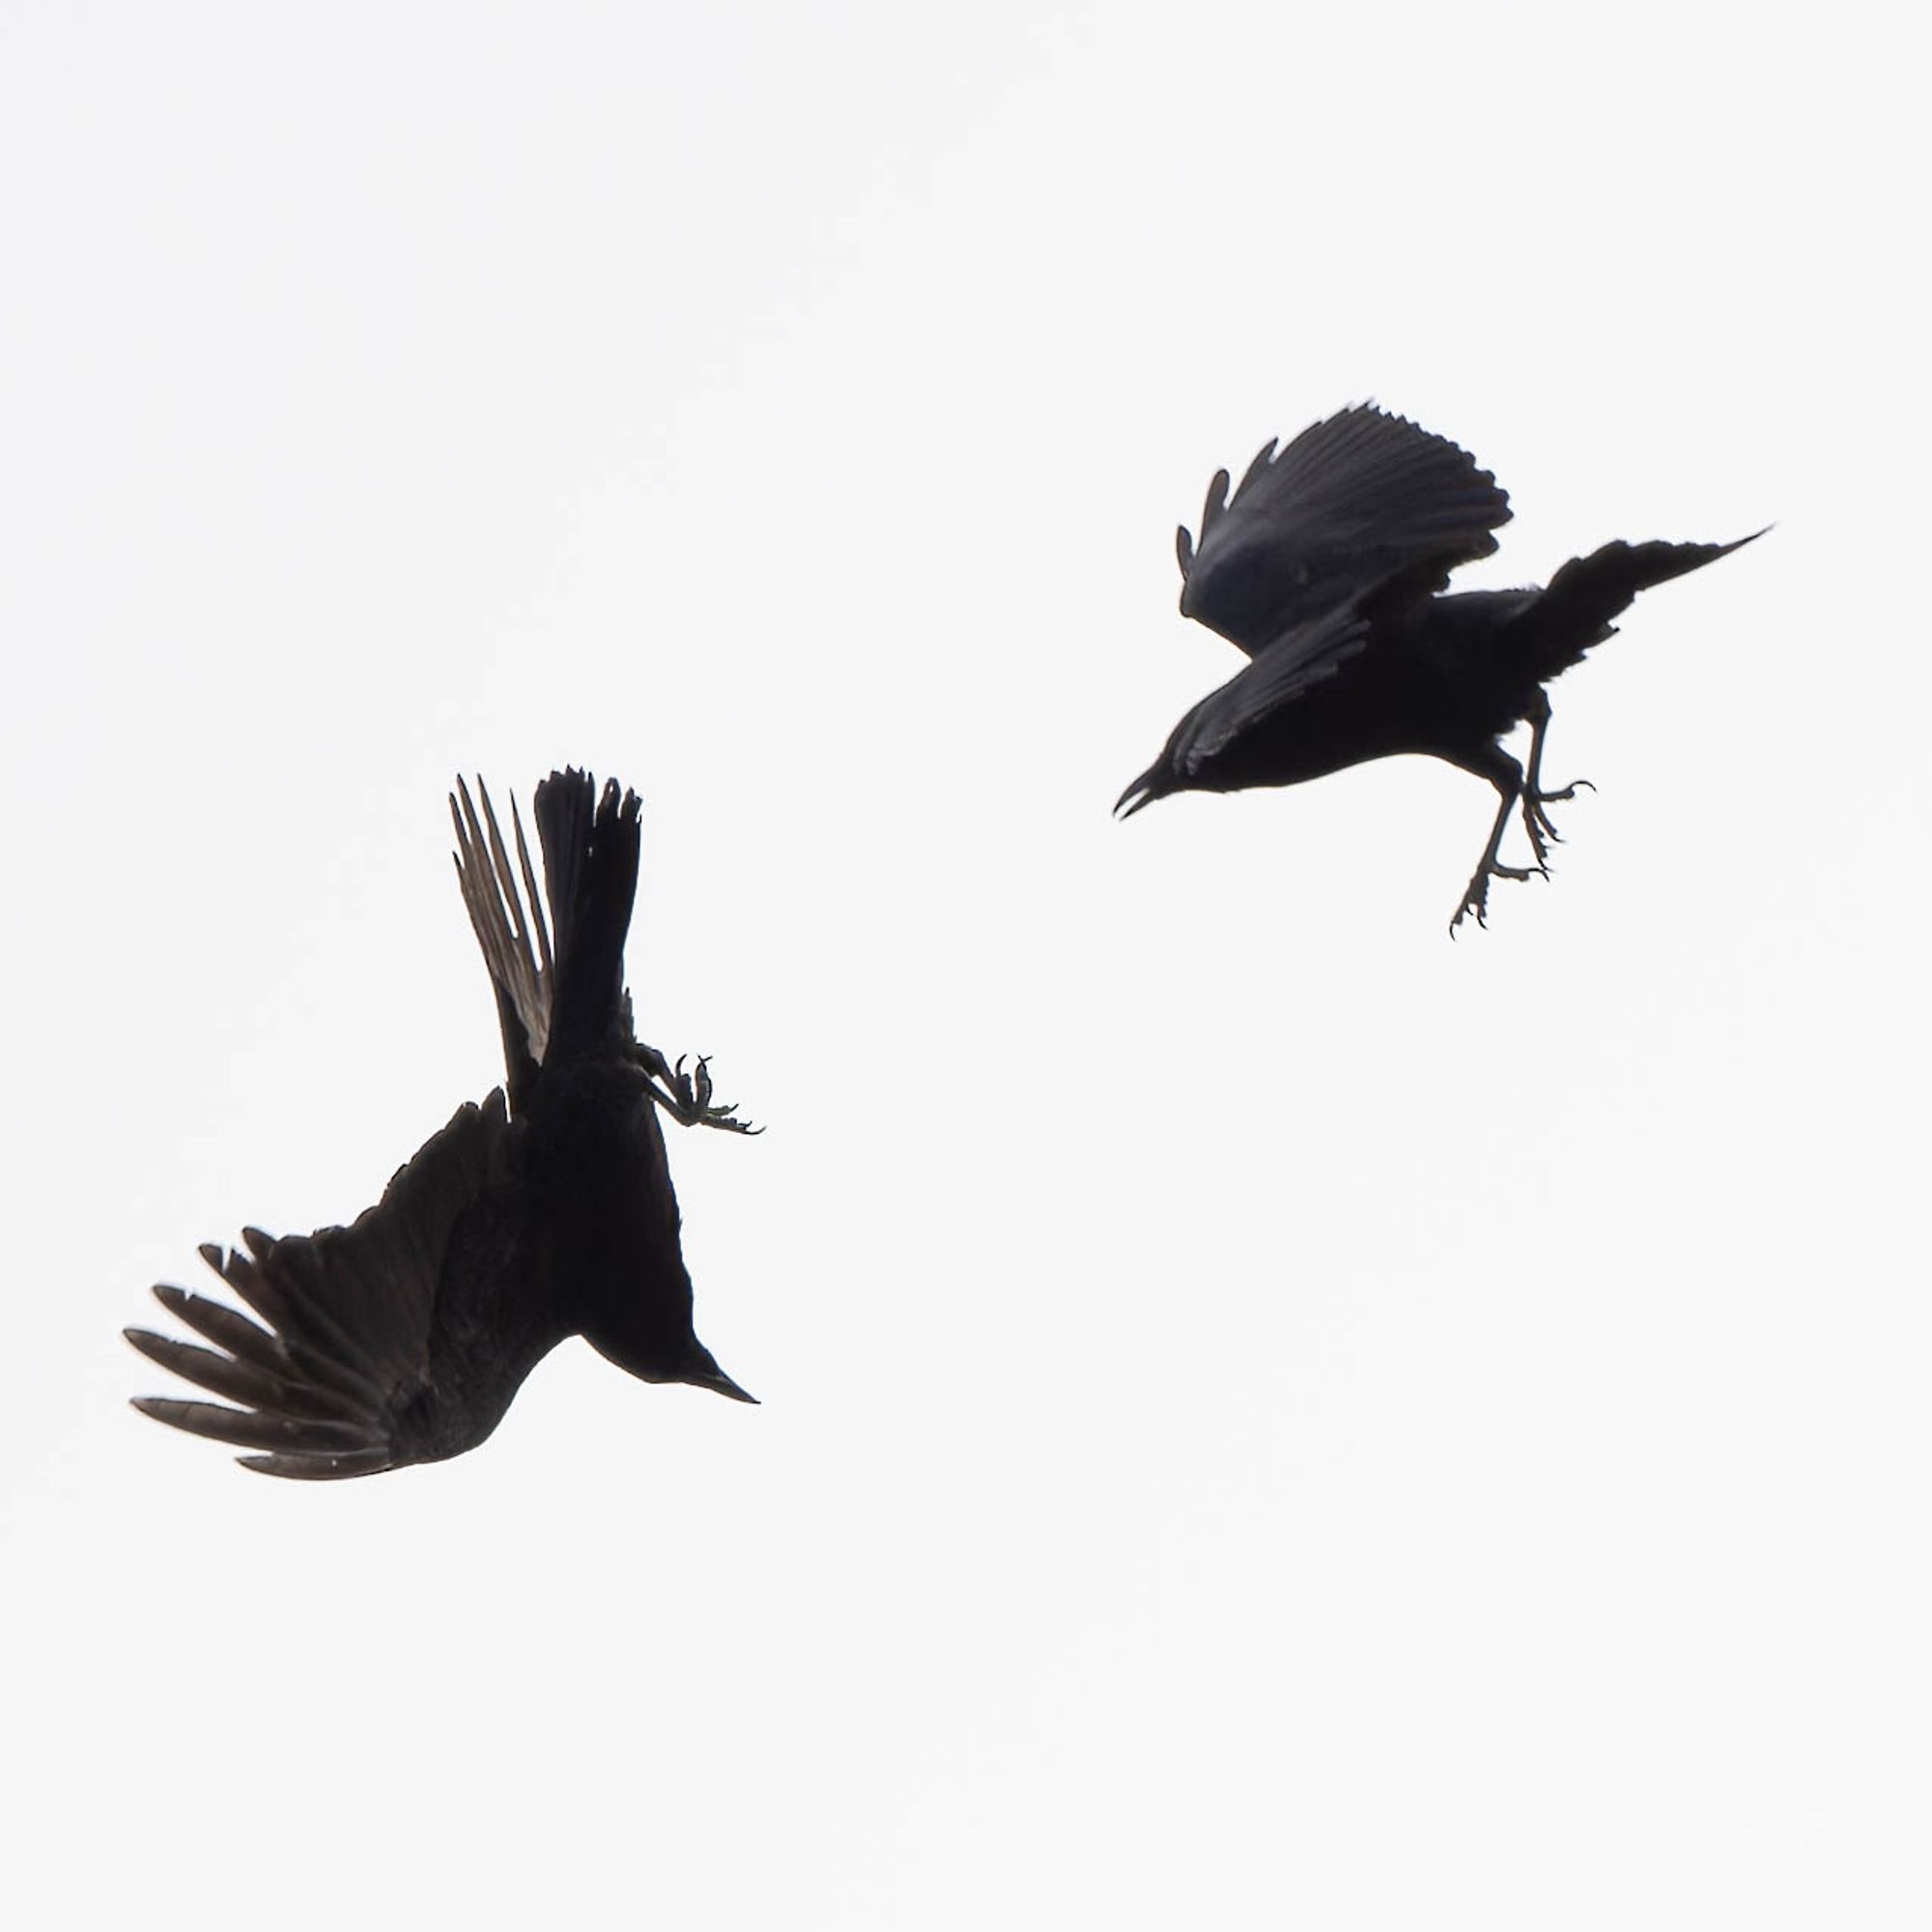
x=341 y=1376
x=1351 y=503
x=1308 y=654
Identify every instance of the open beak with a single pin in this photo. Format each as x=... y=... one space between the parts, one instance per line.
x=1140 y=792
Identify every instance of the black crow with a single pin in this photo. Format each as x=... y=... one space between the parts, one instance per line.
x=545 y=1212
x=1328 y=567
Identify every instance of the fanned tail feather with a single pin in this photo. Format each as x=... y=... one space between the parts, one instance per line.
x=1576 y=611
x=591 y=846
x=506 y=913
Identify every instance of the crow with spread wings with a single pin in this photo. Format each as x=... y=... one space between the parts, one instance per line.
x=544 y=1212
x=1327 y=566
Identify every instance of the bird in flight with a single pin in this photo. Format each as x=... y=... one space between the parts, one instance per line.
x=1329 y=567
x=545 y=1212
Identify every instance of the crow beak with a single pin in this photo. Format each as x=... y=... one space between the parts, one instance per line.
x=1139 y=791
x=717 y=1378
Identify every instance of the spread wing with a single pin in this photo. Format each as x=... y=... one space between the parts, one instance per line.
x=515 y=939
x=1349 y=504
x=1308 y=654
x=337 y=1378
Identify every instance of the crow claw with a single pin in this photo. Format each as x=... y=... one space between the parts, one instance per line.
x=686 y=1096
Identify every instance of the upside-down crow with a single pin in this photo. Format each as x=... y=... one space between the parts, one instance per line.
x=544 y=1212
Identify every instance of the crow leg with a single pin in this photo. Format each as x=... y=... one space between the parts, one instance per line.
x=1504 y=772
x=1535 y=818
x=686 y=1097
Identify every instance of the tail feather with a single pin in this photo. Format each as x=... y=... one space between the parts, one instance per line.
x=1582 y=599
x=507 y=916
x=592 y=845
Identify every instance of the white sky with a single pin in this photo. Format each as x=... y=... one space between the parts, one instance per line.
x=1271 y=1418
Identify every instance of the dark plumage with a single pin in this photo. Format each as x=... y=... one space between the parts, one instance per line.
x=1328 y=567
x=547 y=1212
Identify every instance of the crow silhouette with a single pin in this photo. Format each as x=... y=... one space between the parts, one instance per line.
x=544 y=1212
x=1328 y=567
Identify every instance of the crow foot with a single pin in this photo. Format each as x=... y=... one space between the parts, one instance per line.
x=686 y=1096
x=1476 y=895
x=1513 y=794
x=1536 y=819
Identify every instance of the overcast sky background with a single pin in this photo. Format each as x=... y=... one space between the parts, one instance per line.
x=1270 y=1416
